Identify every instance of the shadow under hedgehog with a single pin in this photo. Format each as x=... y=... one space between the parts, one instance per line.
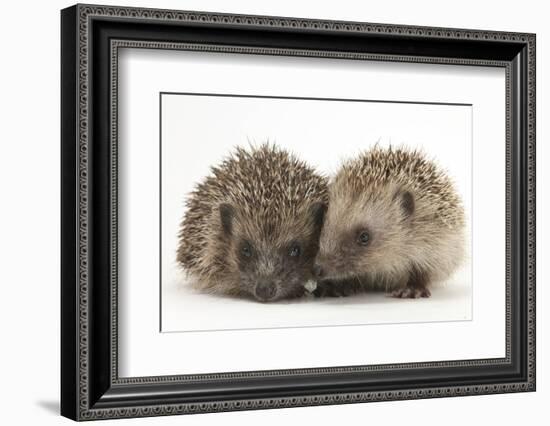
x=394 y=223
x=252 y=226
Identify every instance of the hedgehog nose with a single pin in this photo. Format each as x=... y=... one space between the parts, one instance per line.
x=317 y=271
x=265 y=290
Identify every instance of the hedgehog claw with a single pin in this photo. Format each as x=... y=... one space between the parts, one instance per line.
x=410 y=293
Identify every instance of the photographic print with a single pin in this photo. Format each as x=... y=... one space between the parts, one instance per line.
x=303 y=212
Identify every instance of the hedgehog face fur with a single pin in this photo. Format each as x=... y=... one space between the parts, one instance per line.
x=364 y=234
x=394 y=222
x=252 y=227
x=270 y=261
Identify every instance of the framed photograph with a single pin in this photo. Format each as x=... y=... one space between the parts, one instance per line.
x=263 y=212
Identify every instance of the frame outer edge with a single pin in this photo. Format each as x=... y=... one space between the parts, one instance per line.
x=83 y=105
x=83 y=12
x=69 y=221
x=531 y=213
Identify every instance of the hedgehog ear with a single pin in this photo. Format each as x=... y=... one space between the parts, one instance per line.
x=406 y=202
x=318 y=211
x=226 y=217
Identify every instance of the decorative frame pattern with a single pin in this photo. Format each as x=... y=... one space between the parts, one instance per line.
x=91 y=400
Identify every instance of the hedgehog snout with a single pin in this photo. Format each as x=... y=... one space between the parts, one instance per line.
x=329 y=267
x=318 y=270
x=265 y=290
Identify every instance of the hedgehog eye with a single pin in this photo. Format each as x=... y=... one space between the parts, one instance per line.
x=246 y=250
x=363 y=238
x=294 y=250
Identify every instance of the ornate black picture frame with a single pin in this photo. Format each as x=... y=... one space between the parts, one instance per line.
x=90 y=38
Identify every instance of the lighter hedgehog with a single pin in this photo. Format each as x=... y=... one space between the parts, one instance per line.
x=395 y=223
x=252 y=226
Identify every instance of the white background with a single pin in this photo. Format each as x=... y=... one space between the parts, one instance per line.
x=29 y=168
x=322 y=133
x=143 y=351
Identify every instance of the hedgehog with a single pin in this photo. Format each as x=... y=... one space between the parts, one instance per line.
x=251 y=228
x=395 y=222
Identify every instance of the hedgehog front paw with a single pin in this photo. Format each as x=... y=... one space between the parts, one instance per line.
x=410 y=293
x=335 y=289
x=325 y=289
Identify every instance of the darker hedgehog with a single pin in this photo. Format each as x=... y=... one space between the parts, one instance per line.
x=252 y=227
